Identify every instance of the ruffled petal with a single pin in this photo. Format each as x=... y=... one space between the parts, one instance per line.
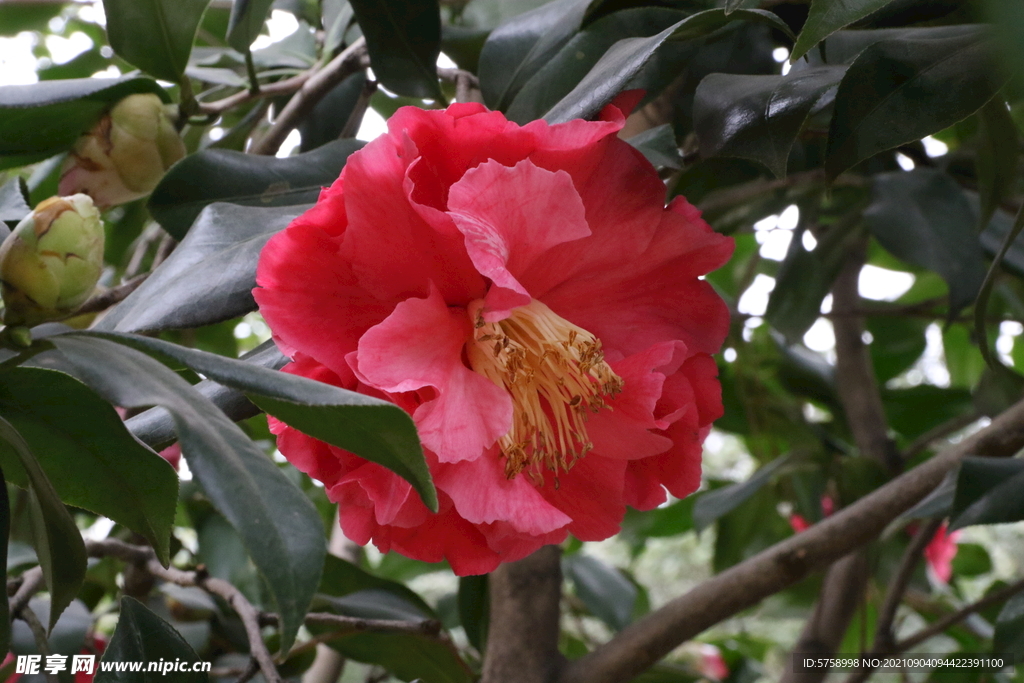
x=590 y=493
x=510 y=218
x=420 y=345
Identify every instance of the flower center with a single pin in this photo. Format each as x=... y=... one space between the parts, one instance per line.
x=556 y=375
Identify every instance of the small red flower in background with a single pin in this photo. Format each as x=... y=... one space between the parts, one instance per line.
x=526 y=296
x=940 y=551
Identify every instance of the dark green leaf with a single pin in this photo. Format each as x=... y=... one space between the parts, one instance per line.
x=16 y=17
x=409 y=657
x=474 y=609
x=988 y=492
x=922 y=217
x=758 y=117
x=938 y=503
x=246 y=22
x=220 y=175
x=971 y=560
x=903 y=89
x=626 y=58
x=88 y=455
x=522 y=45
x=608 y=594
x=154 y=35
x=671 y=520
x=279 y=525
x=1009 y=636
x=403 y=38
x=371 y=428
x=57 y=541
x=711 y=506
x=142 y=636
x=658 y=145
x=997 y=157
x=13 y=203
x=560 y=74
x=896 y=344
x=998 y=389
x=209 y=277
x=342 y=578
x=828 y=16
x=45 y=118
x=844 y=47
x=915 y=410
x=331 y=114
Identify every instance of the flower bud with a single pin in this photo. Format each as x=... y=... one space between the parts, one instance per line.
x=50 y=264
x=125 y=154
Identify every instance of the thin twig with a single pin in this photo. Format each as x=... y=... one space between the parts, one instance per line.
x=32 y=582
x=38 y=632
x=350 y=60
x=282 y=87
x=465 y=83
x=250 y=670
x=355 y=117
x=114 y=295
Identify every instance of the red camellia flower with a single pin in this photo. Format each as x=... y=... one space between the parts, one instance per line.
x=526 y=296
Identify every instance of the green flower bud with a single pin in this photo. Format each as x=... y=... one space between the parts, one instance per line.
x=50 y=264
x=125 y=154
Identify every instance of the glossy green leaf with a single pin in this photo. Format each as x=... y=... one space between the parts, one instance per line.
x=154 y=35
x=922 y=217
x=220 y=175
x=86 y=452
x=56 y=538
x=209 y=277
x=903 y=89
x=758 y=117
x=713 y=505
x=280 y=527
x=988 y=492
x=474 y=609
x=328 y=119
x=608 y=594
x=658 y=145
x=560 y=74
x=612 y=73
x=341 y=578
x=371 y=428
x=998 y=152
x=522 y=45
x=403 y=38
x=1009 y=634
x=828 y=16
x=45 y=118
x=246 y=22
x=13 y=203
x=142 y=636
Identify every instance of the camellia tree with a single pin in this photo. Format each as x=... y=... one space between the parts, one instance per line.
x=653 y=341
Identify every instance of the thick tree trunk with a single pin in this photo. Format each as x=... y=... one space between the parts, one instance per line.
x=522 y=638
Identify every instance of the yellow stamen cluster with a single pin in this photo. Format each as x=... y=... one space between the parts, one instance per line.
x=555 y=373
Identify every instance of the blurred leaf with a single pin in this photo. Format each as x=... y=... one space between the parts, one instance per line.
x=409 y=657
x=330 y=115
x=608 y=594
x=713 y=505
x=560 y=74
x=828 y=16
x=209 y=277
x=896 y=344
x=13 y=203
x=92 y=460
x=749 y=529
x=922 y=217
x=938 y=503
x=658 y=145
x=758 y=117
x=998 y=389
x=474 y=609
x=971 y=560
x=624 y=59
x=805 y=373
x=154 y=35
x=988 y=492
x=45 y=118
x=372 y=428
x=281 y=528
x=403 y=38
x=671 y=520
x=963 y=360
x=997 y=157
x=57 y=541
x=246 y=22
x=522 y=45
x=1009 y=635
x=341 y=578
x=220 y=175
x=915 y=410
x=16 y=17
x=901 y=90
x=142 y=636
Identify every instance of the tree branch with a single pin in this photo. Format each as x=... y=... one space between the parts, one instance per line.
x=522 y=636
x=643 y=643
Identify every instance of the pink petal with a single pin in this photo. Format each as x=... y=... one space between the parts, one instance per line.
x=590 y=493
x=420 y=345
x=510 y=218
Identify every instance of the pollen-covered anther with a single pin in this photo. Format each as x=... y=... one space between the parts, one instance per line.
x=555 y=373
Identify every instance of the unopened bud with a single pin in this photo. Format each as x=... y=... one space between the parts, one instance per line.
x=50 y=264
x=125 y=154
